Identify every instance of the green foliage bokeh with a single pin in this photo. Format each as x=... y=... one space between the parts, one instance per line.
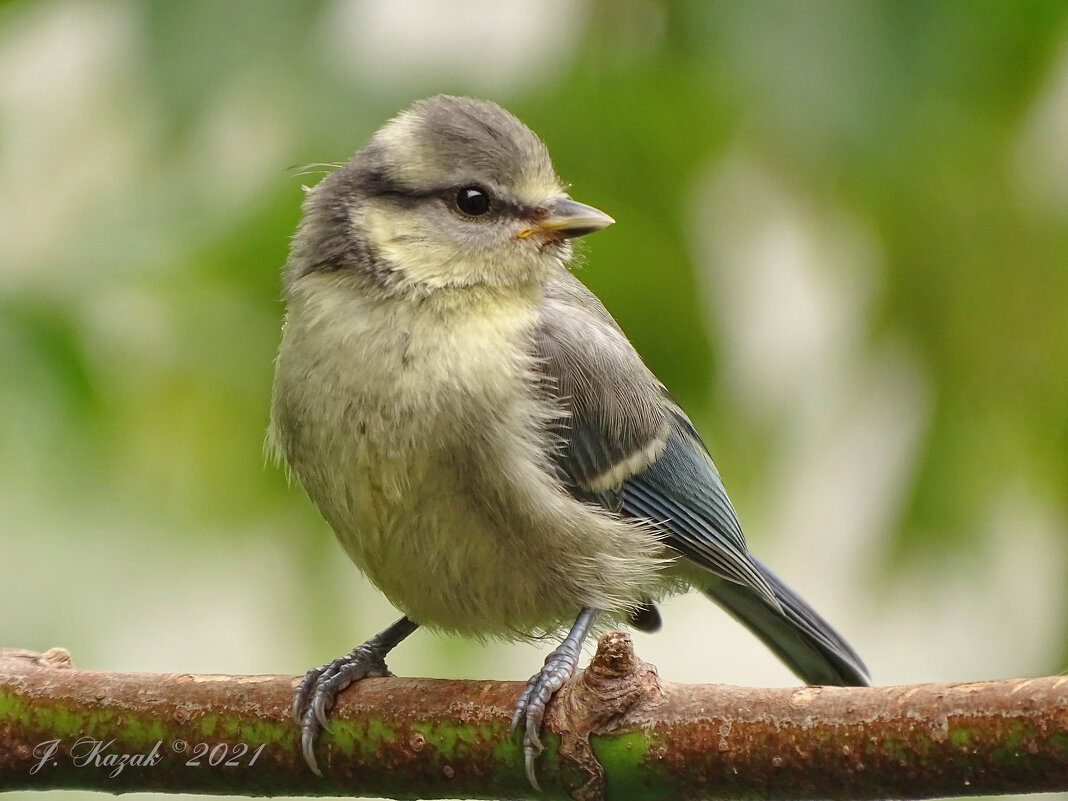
x=138 y=321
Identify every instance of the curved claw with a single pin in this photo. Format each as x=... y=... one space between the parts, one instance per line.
x=530 y=708
x=323 y=686
x=319 y=707
x=307 y=747
x=304 y=692
x=532 y=746
x=532 y=703
x=521 y=705
x=532 y=749
x=320 y=687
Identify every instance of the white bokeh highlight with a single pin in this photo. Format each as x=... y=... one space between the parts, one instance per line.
x=477 y=46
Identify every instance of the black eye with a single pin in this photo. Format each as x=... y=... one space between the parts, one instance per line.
x=472 y=200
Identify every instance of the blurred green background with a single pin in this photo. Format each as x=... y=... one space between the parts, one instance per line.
x=842 y=243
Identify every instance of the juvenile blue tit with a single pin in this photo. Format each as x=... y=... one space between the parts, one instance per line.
x=483 y=439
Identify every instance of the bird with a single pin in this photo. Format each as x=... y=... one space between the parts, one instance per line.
x=486 y=444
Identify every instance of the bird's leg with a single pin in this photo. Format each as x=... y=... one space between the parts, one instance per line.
x=320 y=687
x=559 y=666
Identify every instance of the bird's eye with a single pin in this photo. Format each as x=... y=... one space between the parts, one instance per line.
x=473 y=200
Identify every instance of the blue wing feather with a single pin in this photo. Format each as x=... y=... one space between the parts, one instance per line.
x=622 y=442
x=683 y=493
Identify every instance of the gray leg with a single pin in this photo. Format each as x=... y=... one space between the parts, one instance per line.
x=320 y=687
x=559 y=666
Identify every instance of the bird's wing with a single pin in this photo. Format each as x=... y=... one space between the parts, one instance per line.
x=623 y=442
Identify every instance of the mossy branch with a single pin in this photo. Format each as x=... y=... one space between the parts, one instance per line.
x=615 y=732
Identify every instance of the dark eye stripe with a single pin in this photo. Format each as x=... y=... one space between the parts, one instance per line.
x=378 y=187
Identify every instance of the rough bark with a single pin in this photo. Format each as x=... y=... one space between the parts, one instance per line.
x=616 y=731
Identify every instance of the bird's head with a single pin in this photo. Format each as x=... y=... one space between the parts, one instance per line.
x=453 y=192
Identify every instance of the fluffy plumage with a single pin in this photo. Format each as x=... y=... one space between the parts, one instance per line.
x=474 y=426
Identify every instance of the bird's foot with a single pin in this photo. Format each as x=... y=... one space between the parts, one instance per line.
x=559 y=666
x=318 y=690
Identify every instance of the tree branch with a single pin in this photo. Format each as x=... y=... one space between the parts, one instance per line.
x=614 y=732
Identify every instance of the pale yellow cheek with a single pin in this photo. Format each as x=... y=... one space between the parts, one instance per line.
x=401 y=239
x=383 y=228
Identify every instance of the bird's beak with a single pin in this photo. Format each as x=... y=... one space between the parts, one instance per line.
x=567 y=218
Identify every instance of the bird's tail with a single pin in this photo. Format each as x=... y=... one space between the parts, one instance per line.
x=802 y=639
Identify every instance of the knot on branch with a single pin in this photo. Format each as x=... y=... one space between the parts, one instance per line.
x=613 y=695
x=55 y=658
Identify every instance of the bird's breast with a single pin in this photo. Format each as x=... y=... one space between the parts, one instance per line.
x=419 y=431
x=402 y=421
